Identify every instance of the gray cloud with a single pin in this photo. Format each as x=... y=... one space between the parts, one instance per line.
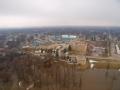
x=60 y=12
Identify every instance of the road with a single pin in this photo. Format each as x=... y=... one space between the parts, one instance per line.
x=104 y=58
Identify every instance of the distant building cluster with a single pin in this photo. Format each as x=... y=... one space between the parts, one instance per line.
x=62 y=44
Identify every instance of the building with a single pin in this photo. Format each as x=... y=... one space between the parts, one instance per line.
x=117 y=49
x=66 y=37
x=80 y=47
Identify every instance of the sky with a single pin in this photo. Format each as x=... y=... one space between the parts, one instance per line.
x=38 y=13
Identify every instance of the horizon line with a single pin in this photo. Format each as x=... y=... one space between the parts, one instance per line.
x=59 y=26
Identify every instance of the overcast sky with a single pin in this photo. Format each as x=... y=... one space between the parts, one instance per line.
x=28 y=13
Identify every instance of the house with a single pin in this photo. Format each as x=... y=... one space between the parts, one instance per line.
x=2 y=52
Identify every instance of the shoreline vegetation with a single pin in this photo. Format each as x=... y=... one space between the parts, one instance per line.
x=28 y=72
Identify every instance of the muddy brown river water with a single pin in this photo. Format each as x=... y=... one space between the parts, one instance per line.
x=101 y=80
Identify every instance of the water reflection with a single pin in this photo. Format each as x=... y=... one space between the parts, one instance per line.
x=101 y=80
